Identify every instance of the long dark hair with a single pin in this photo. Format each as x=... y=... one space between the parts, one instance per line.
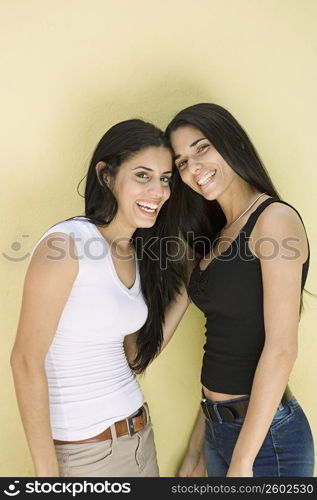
x=161 y=274
x=200 y=219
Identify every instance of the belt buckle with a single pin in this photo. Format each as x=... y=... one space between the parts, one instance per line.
x=130 y=425
x=129 y=420
x=226 y=414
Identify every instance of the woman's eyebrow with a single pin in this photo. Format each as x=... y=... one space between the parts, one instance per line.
x=151 y=169
x=191 y=146
x=145 y=168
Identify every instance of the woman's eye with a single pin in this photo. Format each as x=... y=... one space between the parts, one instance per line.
x=142 y=175
x=202 y=148
x=166 y=180
x=181 y=164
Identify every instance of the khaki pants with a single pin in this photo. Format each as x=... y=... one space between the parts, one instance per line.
x=122 y=456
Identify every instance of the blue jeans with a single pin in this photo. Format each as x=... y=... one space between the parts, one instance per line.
x=287 y=451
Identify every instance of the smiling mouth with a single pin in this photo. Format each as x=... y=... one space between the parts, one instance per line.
x=148 y=208
x=206 y=179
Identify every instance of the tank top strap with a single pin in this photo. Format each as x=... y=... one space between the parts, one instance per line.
x=248 y=227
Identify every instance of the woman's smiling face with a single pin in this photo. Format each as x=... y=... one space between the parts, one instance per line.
x=199 y=164
x=142 y=186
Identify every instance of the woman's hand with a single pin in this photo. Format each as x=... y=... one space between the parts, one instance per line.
x=194 y=462
x=193 y=466
x=48 y=470
x=240 y=470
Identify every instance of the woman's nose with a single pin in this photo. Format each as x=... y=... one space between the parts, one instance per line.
x=194 y=166
x=156 y=189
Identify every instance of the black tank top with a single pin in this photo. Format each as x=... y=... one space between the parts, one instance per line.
x=230 y=293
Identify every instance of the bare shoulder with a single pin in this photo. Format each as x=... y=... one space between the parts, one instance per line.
x=279 y=225
x=47 y=285
x=279 y=218
x=56 y=251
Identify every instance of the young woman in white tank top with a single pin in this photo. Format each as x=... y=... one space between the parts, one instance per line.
x=95 y=296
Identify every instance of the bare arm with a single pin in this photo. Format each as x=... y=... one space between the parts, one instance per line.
x=174 y=314
x=193 y=464
x=281 y=294
x=173 y=317
x=46 y=288
x=178 y=307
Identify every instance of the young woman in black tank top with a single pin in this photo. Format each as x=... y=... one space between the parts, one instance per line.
x=253 y=258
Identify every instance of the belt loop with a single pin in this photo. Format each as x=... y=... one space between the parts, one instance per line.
x=114 y=433
x=147 y=413
x=215 y=408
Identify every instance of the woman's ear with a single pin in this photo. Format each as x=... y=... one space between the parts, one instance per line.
x=100 y=167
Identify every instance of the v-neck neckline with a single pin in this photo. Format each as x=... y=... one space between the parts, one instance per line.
x=134 y=289
x=218 y=257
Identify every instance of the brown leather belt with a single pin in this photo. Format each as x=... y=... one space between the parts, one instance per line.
x=129 y=425
x=228 y=412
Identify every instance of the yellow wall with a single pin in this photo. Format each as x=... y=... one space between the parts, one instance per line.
x=71 y=69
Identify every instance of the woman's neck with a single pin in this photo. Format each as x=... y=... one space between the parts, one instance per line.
x=118 y=234
x=236 y=199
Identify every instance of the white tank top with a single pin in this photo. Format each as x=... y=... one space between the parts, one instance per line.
x=90 y=383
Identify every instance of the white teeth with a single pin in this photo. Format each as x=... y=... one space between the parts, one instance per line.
x=206 y=178
x=152 y=206
x=151 y=210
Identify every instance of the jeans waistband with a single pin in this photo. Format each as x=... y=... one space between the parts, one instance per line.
x=231 y=409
